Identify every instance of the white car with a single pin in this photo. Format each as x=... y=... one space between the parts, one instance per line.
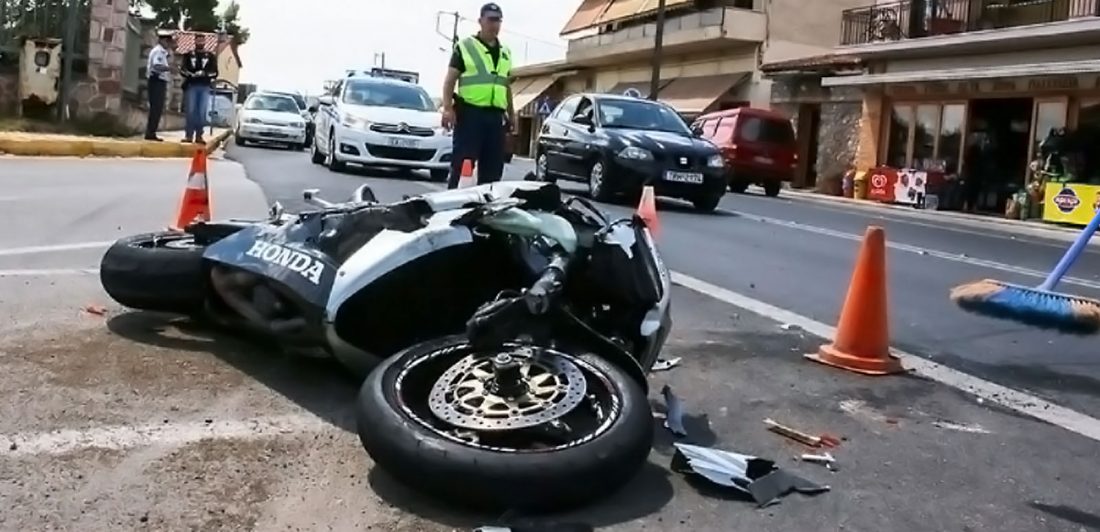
x=271 y=118
x=374 y=121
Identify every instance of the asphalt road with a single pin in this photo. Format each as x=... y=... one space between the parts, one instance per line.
x=798 y=255
x=123 y=420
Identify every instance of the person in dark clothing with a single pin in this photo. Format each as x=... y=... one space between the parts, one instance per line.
x=199 y=69
x=480 y=111
x=158 y=70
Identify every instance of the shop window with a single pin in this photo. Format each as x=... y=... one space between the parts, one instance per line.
x=1049 y=114
x=1088 y=130
x=926 y=136
x=925 y=129
x=897 y=148
x=950 y=139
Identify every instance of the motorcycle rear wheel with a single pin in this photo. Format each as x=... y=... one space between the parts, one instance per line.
x=160 y=272
x=398 y=429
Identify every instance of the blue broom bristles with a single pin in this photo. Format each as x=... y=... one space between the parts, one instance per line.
x=1039 y=308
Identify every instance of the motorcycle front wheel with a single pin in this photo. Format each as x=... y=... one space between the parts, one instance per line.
x=161 y=272
x=523 y=428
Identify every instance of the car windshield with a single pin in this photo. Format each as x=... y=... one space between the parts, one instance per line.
x=640 y=114
x=268 y=102
x=383 y=94
x=298 y=99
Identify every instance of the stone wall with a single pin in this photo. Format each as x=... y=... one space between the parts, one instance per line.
x=9 y=93
x=839 y=138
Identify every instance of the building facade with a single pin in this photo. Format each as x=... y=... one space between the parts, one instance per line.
x=711 y=54
x=975 y=90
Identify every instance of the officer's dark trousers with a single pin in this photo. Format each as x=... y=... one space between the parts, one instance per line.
x=478 y=135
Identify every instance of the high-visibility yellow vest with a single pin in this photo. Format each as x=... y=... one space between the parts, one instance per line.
x=480 y=85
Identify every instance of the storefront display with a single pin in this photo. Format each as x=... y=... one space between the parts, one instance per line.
x=1071 y=203
x=905 y=187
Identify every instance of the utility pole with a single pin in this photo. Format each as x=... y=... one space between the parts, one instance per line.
x=658 y=51
x=383 y=57
x=68 y=54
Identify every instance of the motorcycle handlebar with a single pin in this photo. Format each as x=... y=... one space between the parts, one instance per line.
x=548 y=285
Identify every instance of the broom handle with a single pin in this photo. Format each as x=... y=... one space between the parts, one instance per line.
x=1071 y=255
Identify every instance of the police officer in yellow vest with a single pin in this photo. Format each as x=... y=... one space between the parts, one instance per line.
x=480 y=111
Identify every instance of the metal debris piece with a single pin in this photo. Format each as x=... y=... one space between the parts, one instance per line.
x=665 y=364
x=674 y=419
x=801 y=437
x=826 y=460
x=756 y=477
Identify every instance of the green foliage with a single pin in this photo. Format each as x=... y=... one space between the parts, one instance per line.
x=230 y=19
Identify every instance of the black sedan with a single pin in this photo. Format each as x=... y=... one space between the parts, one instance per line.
x=619 y=144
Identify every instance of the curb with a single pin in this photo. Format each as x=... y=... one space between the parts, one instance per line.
x=105 y=147
x=1012 y=227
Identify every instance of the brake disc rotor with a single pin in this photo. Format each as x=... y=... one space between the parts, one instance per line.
x=464 y=396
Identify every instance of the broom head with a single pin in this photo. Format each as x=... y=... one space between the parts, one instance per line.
x=1038 y=308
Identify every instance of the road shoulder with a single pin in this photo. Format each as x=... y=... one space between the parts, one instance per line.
x=52 y=145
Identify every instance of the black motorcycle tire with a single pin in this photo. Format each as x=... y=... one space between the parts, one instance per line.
x=140 y=273
x=472 y=478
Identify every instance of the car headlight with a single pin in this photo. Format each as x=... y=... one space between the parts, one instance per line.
x=298 y=125
x=637 y=154
x=716 y=161
x=355 y=122
x=253 y=121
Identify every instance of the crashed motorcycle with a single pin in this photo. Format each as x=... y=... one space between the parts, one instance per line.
x=504 y=333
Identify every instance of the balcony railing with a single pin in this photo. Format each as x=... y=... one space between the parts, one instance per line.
x=895 y=21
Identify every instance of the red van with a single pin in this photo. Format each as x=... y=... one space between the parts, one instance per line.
x=758 y=145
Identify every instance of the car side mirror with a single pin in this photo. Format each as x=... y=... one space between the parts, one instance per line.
x=325 y=100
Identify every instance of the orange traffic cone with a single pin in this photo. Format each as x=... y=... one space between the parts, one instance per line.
x=195 y=205
x=862 y=342
x=647 y=210
x=467 y=179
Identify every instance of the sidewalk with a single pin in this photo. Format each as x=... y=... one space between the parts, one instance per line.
x=1032 y=228
x=54 y=145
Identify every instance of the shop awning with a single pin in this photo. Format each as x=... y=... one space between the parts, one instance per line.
x=585 y=16
x=962 y=74
x=531 y=90
x=637 y=89
x=651 y=5
x=621 y=9
x=694 y=95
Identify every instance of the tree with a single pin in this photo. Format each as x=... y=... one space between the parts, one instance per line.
x=191 y=15
x=231 y=23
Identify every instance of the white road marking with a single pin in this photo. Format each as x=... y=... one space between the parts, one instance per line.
x=1021 y=402
x=973 y=429
x=120 y=437
x=954 y=257
x=53 y=248
x=55 y=272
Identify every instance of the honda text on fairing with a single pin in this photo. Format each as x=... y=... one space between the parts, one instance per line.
x=505 y=334
x=620 y=144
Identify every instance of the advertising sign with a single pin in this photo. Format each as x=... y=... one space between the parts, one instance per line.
x=1070 y=203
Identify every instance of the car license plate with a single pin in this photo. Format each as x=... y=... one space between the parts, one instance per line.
x=684 y=177
x=404 y=143
x=764 y=160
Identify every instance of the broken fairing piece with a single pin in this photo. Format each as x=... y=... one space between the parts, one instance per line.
x=674 y=419
x=665 y=364
x=756 y=477
x=801 y=437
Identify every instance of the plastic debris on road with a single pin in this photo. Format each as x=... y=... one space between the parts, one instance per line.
x=758 y=478
x=539 y=527
x=96 y=310
x=674 y=419
x=796 y=435
x=665 y=364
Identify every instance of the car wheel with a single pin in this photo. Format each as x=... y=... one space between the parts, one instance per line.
x=739 y=187
x=332 y=161
x=471 y=460
x=598 y=187
x=542 y=169
x=315 y=155
x=772 y=188
x=439 y=176
x=707 y=203
x=238 y=139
